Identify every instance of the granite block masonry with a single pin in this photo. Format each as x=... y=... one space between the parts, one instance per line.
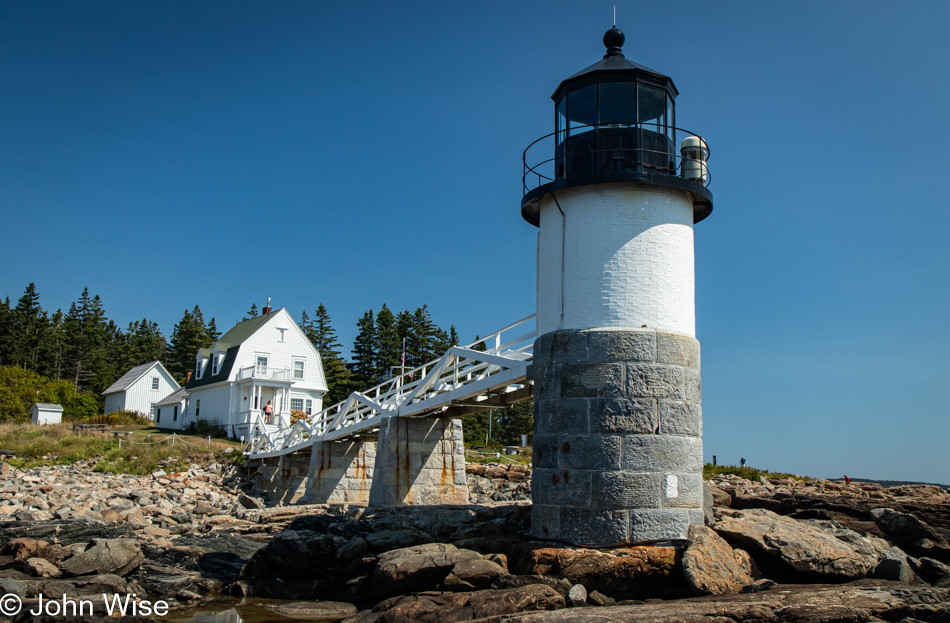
x=341 y=472
x=618 y=451
x=419 y=461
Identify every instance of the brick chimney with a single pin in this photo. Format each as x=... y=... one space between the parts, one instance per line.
x=267 y=308
x=187 y=378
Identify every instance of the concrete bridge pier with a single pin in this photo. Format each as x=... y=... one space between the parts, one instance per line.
x=420 y=461
x=341 y=472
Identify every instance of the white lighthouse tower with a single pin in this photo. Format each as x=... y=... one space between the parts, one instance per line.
x=618 y=423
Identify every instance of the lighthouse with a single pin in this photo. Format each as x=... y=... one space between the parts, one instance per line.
x=615 y=192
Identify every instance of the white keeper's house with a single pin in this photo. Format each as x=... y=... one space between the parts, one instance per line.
x=261 y=360
x=140 y=388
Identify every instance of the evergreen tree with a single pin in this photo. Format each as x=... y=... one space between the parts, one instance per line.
x=213 y=332
x=510 y=423
x=29 y=329
x=321 y=334
x=87 y=340
x=142 y=342
x=387 y=346
x=189 y=335
x=252 y=312
x=7 y=341
x=363 y=366
x=55 y=348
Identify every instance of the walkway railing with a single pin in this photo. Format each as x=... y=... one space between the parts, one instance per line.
x=463 y=376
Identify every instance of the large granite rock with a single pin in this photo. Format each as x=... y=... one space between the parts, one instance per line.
x=293 y=555
x=712 y=567
x=487 y=604
x=106 y=556
x=913 y=534
x=817 y=549
x=418 y=568
x=620 y=573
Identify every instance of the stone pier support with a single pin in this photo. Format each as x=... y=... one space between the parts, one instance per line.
x=284 y=479
x=420 y=461
x=618 y=453
x=341 y=472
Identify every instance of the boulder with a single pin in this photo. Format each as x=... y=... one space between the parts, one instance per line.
x=106 y=556
x=419 y=568
x=248 y=502
x=623 y=573
x=387 y=540
x=895 y=566
x=41 y=568
x=314 y=610
x=822 y=550
x=915 y=535
x=293 y=556
x=473 y=575
x=930 y=570
x=477 y=605
x=577 y=596
x=711 y=566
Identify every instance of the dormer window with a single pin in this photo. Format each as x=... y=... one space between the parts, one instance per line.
x=215 y=365
x=199 y=367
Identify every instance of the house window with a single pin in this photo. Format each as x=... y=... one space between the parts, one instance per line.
x=154 y=382
x=296 y=404
x=197 y=407
x=298 y=370
x=308 y=409
x=280 y=334
x=199 y=368
x=214 y=365
x=158 y=416
x=175 y=416
x=261 y=364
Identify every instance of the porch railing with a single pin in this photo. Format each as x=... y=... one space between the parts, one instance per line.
x=266 y=373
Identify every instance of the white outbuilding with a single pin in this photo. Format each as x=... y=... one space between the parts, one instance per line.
x=46 y=413
x=170 y=411
x=140 y=389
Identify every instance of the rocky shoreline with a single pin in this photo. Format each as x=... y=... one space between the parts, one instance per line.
x=786 y=550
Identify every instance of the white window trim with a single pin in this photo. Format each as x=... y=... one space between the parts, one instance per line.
x=293 y=400
x=303 y=369
x=281 y=334
x=156 y=383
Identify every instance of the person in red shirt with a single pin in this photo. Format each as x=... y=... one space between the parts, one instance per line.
x=847 y=480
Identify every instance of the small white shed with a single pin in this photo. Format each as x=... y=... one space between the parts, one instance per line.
x=45 y=413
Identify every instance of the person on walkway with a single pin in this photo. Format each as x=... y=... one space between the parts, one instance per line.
x=742 y=462
x=268 y=412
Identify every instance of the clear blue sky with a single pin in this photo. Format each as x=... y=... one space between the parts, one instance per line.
x=168 y=154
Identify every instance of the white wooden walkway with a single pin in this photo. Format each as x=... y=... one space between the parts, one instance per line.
x=466 y=379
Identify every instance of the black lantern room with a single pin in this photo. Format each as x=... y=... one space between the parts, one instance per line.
x=615 y=122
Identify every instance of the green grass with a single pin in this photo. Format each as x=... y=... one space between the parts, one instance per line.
x=140 y=453
x=749 y=473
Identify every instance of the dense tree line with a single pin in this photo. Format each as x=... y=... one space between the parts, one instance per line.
x=71 y=357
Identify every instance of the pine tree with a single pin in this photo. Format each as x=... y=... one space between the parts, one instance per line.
x=142 y=342
x=7 y=341
x=386 y=343
x=252 y=312
x=363 y=366
x=29 y=329
x=321 y=333
x=189 y=335
x=87 y=340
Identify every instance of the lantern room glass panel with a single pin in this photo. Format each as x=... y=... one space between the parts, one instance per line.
x=652 y=107
x=618 y=103
x=582 y=109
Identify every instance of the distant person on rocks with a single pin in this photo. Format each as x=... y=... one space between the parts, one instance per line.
x=742 y=462
x=847 y=480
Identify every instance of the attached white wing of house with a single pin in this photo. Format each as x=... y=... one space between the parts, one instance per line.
x=140 y=388
x=262 y=361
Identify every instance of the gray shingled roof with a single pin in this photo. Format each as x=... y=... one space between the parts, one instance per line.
x=126 y=380
x=173 y=398
x=49 y=406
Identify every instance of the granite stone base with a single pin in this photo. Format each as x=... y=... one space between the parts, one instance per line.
x=341 y=472
x=618 y=451
x=283 y=479
x=419 y=461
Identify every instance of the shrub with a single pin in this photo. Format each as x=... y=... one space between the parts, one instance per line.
x=204 y=429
